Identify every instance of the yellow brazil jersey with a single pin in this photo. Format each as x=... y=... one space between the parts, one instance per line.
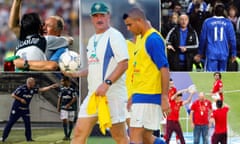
x=129 y=73
x=147 y=76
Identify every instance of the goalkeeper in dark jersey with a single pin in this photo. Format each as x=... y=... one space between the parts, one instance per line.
x=67 y=106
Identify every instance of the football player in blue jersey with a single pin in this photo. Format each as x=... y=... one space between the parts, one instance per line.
x=20 y=108
x=67 y=106
x=217 y=41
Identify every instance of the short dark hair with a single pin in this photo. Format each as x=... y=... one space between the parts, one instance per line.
x=219 y=103
x=135 y=12
x=180 y=95
x=125 y=16
x=30 y=24
x=219 y=9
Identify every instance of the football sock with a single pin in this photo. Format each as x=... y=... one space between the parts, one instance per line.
x=70 y=129
x=65 y=129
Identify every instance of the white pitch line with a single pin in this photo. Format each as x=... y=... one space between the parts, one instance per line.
x=224 y=92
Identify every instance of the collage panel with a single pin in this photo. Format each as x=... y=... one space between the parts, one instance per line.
x=205 y=87
x=34 y=35
x=36 y=103
x=212 y=40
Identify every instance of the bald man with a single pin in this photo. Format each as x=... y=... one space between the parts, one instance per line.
x=199 y=117
x=182 y=45
x=20 y=108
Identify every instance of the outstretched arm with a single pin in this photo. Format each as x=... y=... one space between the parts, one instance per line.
x=43 y=89
x=14 y=18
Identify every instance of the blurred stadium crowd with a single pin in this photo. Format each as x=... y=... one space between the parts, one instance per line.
x=68 y=9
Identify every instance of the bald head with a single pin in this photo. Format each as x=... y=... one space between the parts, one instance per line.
x=53 y=25
x=183 y=16
x=183 y=20
x=201 y=95
x=60 y=22
x=30 y=82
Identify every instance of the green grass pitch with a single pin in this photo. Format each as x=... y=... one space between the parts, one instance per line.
x=49 y=136
x=231 y=89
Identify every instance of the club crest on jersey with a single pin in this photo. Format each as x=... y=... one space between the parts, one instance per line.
x=93 y=59
x=67 y=97
x=31 y=91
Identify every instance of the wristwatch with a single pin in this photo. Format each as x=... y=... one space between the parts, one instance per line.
x=26 y=65
x=108 y=82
